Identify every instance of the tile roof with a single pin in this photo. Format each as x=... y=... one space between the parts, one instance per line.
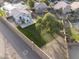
x=60 y=4
x=74 y=5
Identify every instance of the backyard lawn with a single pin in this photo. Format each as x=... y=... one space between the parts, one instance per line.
x=33 y=34
x=39 y=39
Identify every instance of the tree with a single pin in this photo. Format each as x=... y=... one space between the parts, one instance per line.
x=2 y=13
x=49 y=23
x=31 y=3
x=45 y=1
x=38 y=24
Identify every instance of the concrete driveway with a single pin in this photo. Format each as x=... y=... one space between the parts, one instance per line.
x=18 y=44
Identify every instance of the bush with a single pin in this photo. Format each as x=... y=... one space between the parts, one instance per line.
x=2 y=13
x=45 y=1
x=49 y=23
x=31 y=3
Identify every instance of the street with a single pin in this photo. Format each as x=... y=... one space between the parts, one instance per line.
x=74 y=52
x=24 y=51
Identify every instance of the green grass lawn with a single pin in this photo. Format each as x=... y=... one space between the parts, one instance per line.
x=74 y=34
x=33 y=34
x=39 y=39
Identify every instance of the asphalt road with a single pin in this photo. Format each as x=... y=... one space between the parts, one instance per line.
x=24 y=51
x=74 y=52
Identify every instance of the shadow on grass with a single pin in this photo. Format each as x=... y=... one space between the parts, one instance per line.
x=33 y=35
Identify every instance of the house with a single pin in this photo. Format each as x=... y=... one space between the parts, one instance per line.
x=18 y=12
x=62 y=5
x=22 y=17
x=75 y=9
x=74 y=6
x=40 y=7
x=8 y=7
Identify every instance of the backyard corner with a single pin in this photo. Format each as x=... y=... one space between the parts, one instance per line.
x=33 y=35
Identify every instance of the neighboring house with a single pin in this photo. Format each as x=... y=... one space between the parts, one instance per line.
x=1 y=1
x=40 y=7
x=62 y=5
x=74 y=6
x=18 y=12
x=7 y=7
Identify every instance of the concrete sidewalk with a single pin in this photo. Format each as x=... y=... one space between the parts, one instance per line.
x=2 y=47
